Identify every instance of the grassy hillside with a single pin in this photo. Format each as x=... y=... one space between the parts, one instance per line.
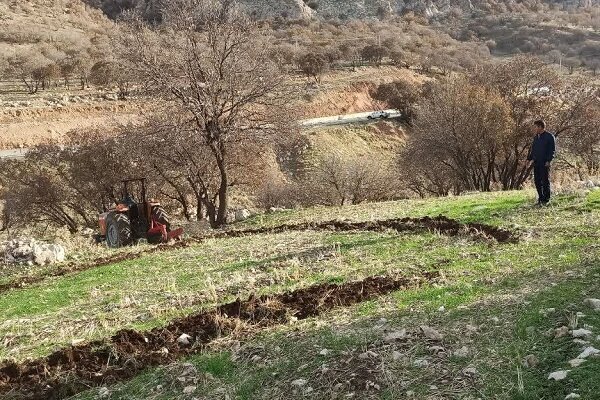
x=493 y=305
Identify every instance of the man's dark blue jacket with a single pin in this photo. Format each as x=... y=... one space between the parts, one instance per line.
x=543 y=148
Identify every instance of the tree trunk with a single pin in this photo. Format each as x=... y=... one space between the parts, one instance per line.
x=223 y=196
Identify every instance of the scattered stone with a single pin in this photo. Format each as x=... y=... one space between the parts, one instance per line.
x=255 y=358
x=495 y=320
x=30 y=251
x=442 y=309
x=530 y=330
x=572 y=396
x=581 y=341
x=299 y=382
x=396 y=356
x=324 y=352
x=436 y=349
x=581 y=333
x=462 y=352
x=395 y=335
x=530 y=361
x=559 y=375
x=410 y=393
x=189 y=389
x=588 y=351
x=470 y=371
x=421 y=363
x=103 y=392
x=431 y=333
x=576 y=362
x=242 y=215
x=593 y=303
x=560 y=332
x=184 y=339
x=367 y=354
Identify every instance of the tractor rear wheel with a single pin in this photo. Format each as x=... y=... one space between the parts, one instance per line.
x=118 y=230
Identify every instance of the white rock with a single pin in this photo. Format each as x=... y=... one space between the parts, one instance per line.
x=530 y=361
x=421 y=363
x=470 y=371
x=189 y=389
x=572 y=396
x=436 y=349
x=588 y=351
x=462 y=352
x=367 y=354
x=581 y=333
x=593 y=303
x=396 y=356
x=184 y=339
x=103 y=392
x=559 y=375
x=580 y=341
x=395 y=335
x=431 y=333
x=560 y=332
x=324 y=352
x=442 y=309
x=576 y=362
x=48 y=254
x=299 y=382
x=242 y=215
x=495 y=320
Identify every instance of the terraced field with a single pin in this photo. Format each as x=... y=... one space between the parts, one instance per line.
x=369 y=301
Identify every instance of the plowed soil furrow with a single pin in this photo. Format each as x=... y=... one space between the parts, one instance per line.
x=74 y=369
x=439 y=224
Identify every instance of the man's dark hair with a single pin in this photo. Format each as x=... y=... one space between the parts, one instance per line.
x=540 y=123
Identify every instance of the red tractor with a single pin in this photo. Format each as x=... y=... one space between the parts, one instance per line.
x=136 y=218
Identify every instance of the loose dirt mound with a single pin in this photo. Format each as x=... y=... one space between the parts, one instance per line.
x=440 y=224
x=71 y=370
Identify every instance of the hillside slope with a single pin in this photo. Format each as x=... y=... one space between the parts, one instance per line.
x=493 y=314
x=67 y=23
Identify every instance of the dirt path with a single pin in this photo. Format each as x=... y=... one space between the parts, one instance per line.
x=439 y=224
x=74 y=369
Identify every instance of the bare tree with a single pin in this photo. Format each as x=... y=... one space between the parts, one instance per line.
x=313 y=65
x=461 y=127
x=401 y=95
x=210 y=62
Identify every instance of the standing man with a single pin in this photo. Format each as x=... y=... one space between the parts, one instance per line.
x=541 y=155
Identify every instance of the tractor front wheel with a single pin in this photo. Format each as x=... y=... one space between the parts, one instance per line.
x=118 y=230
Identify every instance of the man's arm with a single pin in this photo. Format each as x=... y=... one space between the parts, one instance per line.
x=550 y=149
x=530 y=155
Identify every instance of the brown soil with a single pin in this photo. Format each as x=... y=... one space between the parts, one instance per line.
x=74 y=369
x=439 y=224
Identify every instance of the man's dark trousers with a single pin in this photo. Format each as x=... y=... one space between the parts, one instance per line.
x=541 y=176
